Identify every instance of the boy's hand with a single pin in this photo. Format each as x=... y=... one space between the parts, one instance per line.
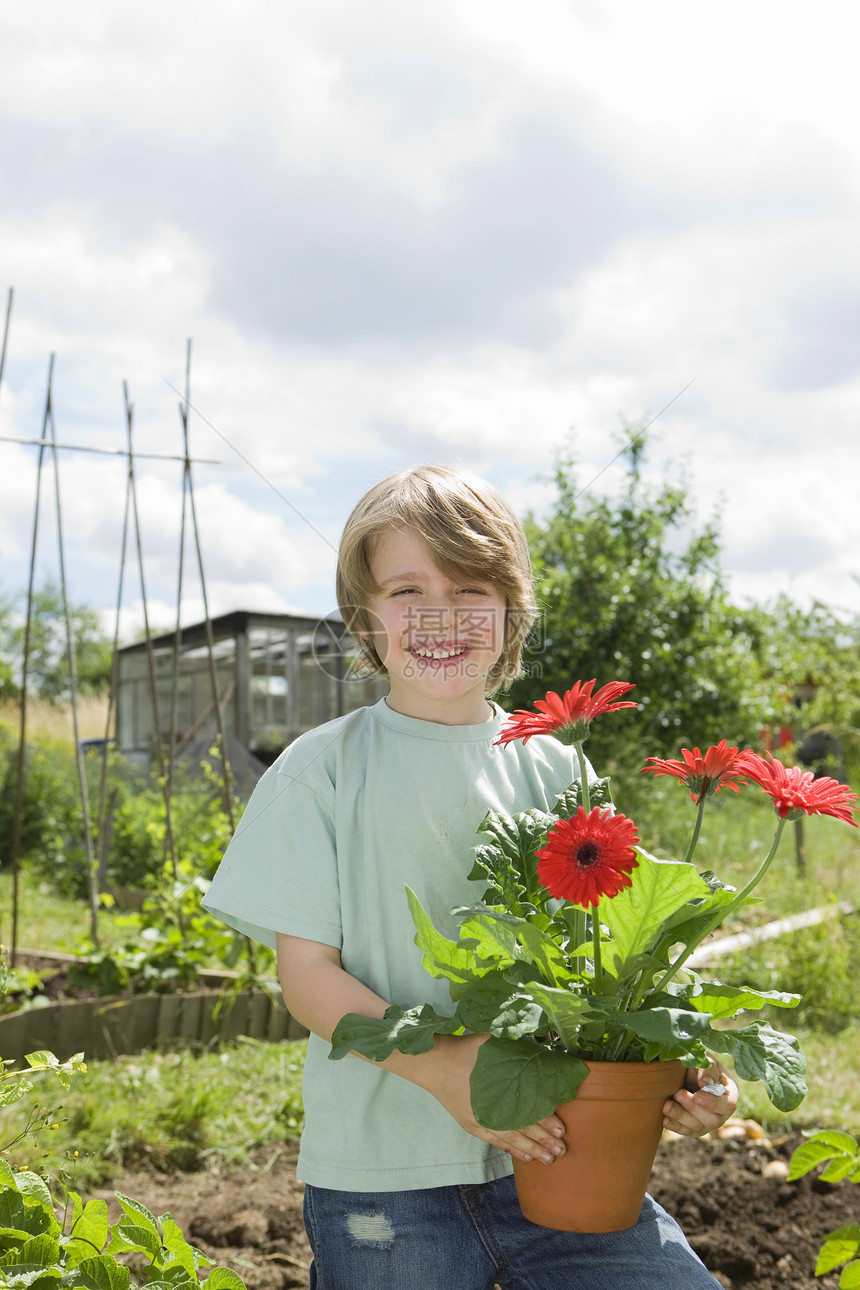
x=693 y=1111
x=449 y=1084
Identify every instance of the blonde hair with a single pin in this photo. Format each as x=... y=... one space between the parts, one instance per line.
x=470 y=530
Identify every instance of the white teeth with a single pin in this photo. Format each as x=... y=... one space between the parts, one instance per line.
x=438 y=653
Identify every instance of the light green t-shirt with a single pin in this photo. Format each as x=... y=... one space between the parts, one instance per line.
x=349 y=815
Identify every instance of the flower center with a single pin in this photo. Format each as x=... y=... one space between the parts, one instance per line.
x=587 y=855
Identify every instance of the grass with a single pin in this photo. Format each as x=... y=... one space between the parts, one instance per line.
x=48 y=920
x=54 y=720
x=168 y=1111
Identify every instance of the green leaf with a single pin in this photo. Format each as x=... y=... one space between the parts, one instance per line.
x=816 y=1151
x=102 y=1273
x=408 y=1030
x=565 y=1010
x=546 y=955
x=839 y=1169
x=442 y=957
x=173 y=1238
x=850 y=1278
x=838 y=1247
x=762 y=1053
x=517 y=838
x=673 y=1027
x=42 y=1058
x=224 y=1279
x=30 y=1184
x=500 y=1006
x=38 y=1252
x=691 y=922
x=836 y=1138
x=728 y=1000
x=636 y=915
x=89 y=1228
x=508 y=939
x=175 y=1276
x=566 y=804
x=31 y=1220
x=518 y=1083
x=493 y=865
x=140 y=1238
x=138 y=1213
x=493 y=931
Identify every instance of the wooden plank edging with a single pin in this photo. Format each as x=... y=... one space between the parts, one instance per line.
x=113 y=1025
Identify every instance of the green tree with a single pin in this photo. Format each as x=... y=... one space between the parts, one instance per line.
x=814 y=654
x=8 y=688
x=630 y=591
x=48 y=664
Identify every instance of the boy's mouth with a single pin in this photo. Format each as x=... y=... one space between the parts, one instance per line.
x=436 y=656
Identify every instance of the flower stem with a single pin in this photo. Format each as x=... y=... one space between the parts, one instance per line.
x=697 y=828
x=723 y=914
x=585 y=795
x=595 y=938
x=578 y=929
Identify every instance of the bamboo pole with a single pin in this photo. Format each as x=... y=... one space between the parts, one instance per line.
x=18 y=816
x=104 y=814
x=92 y=872
x=210 y=641
x=177 y=640
x=5 y=333
x=150 y=657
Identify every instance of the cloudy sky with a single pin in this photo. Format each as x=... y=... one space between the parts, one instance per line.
x=473 y=231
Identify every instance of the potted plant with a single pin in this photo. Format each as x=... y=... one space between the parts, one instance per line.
x=576 y=963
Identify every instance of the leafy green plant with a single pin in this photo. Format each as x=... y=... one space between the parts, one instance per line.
x=51 y=828
x=45 y=1243
x=555 y=986
x=84 y=1249
x=839 y=1154
x=165 y=947
x=16 y=1085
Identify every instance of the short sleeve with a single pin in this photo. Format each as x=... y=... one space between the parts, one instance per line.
x=279 y=873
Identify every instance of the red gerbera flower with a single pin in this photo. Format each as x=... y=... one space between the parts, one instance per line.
x=796 y=792
x=720 y=767
x=569 y=717
x=588 y=856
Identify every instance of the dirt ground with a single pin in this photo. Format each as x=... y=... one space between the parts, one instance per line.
x=752 y=1229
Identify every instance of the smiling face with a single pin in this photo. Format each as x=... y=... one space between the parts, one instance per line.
x=437 y=636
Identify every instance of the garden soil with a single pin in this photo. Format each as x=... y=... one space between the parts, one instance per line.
x=752 y=1229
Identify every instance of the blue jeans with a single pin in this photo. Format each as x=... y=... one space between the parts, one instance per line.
x=473 y=1237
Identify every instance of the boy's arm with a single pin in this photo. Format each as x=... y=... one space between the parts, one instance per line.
x=318 y=992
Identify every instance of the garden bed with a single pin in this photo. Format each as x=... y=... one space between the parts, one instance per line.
x=69 y=1020
x=754 y=1232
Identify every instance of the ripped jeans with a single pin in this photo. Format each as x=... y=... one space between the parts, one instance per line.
x=475 y=1237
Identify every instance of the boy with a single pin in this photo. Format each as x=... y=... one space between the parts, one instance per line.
x=403 y=1187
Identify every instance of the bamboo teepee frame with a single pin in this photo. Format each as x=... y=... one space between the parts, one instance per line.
x=48 y=442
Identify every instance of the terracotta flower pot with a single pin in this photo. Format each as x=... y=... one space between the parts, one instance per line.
x=614 y=1126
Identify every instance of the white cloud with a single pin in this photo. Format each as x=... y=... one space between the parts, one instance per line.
x=398 y=233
